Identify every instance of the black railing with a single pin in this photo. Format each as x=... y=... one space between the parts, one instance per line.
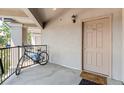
x=9 y=58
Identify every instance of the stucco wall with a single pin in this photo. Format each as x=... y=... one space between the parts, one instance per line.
x=64 y=38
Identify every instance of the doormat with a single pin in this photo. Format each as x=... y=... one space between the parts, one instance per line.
x=87 y=82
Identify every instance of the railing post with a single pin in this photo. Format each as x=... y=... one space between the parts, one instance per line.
x=1 y=68
x=18 y=54
x=46 y=48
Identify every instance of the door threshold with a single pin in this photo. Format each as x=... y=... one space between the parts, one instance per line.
x=100 y=74
x=95 y=77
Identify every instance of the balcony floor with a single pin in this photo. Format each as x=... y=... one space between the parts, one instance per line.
x=50 y=74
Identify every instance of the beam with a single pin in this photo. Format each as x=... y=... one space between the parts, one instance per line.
x=32 y=13
x=12 y=12
x=30 y=25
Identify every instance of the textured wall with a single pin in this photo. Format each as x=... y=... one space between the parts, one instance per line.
x=123 y=45
x=64 y=38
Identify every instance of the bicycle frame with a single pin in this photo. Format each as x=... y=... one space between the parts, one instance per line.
x=32 y=55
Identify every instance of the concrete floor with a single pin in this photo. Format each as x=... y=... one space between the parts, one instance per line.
x=50 y=74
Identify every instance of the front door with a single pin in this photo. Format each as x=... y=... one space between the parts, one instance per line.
x=37 y=39
x=97 y=46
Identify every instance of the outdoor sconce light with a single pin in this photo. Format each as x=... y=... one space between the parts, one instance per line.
x=74 y=18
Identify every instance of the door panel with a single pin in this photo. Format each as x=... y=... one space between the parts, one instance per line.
x=97 y=46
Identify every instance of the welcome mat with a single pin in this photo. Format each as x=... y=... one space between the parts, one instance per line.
x=87 y=82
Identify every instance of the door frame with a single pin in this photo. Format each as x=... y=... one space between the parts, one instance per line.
x=96 y=18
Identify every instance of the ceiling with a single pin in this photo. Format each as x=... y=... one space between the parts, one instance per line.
x=34 y=16
x=48 y=14
x=41 y=14
x=17 y=14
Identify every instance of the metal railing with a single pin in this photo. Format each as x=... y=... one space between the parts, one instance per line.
x=9 y=58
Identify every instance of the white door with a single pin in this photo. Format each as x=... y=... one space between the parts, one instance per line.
x=37 y=39
x=97 y=46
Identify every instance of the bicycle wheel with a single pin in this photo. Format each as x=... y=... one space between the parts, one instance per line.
x=44 y=58
x=18 y=70
x=19 y=65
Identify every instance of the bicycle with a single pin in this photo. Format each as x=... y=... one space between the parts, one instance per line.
x=40 y=57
